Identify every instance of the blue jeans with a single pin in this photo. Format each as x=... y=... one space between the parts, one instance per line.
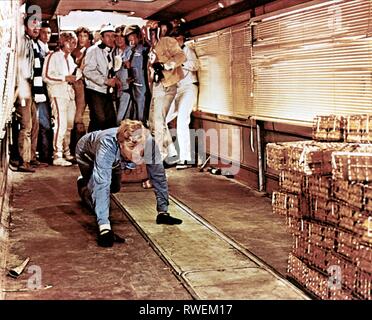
x=100 y=163
x=139 y=97
x=45 y=128
x=86 y=167
x=123 y=107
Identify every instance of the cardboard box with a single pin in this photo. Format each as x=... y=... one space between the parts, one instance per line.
x=292 y=181
x=328 y=128
x=353 y=166
x=307 y=157
x=359 y=128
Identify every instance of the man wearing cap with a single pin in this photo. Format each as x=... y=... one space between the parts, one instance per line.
x=101 y=82
x=136 y=62
x=45 y=139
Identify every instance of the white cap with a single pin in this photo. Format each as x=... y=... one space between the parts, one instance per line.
x=107 y=27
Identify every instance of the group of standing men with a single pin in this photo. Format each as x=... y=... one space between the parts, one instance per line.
x=130 y=74
x=150 y=76
x=50 y=95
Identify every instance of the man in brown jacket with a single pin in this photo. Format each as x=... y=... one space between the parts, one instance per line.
x=26 y=106
x=78 y=54
x=165 y=61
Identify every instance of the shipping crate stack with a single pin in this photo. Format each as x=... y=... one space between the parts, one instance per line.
x=352 y=172
x=325 y=194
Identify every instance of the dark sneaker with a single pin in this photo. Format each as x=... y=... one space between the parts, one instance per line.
x=165 y=218
x=106 y=238
x=26 y=167
x=36 y=163
x=182 y=165
x=80 y=185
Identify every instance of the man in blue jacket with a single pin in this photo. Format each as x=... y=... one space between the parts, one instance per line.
x=102 y=154
x=136 y=63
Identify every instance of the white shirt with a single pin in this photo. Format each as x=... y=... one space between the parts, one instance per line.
x=189 y=67
x=56 y=68
x=44 y=49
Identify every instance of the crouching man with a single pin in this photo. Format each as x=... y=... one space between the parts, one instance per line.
x=101 y=155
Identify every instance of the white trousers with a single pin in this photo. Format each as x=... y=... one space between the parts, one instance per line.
x=183 y=104
x=161 y=101
x=63 y=111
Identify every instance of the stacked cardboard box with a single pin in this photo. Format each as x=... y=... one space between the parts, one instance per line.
x=359 y=128
x=326 y=199
x=352 y=129
x=329 y=128
x=306 y=157
x=353 y=166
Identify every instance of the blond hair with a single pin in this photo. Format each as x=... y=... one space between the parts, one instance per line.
x=65 y=37
x=129 y=128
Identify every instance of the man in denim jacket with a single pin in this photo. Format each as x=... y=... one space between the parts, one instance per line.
x=136 y=62
x=102 y=154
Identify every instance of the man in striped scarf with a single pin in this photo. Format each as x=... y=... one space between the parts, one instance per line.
x=45 y=138
x=39 y=95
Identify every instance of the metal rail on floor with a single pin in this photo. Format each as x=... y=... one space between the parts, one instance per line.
x=262 y=264
x=184 y=283
x=180 y=276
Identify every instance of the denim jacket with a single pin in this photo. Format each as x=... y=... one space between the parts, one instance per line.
x=122 y=73
x=137 y=64
x=103 y=149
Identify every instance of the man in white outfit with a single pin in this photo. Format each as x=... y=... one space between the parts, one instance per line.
x=58 y=75
x=165 y=71
x=185 y=100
